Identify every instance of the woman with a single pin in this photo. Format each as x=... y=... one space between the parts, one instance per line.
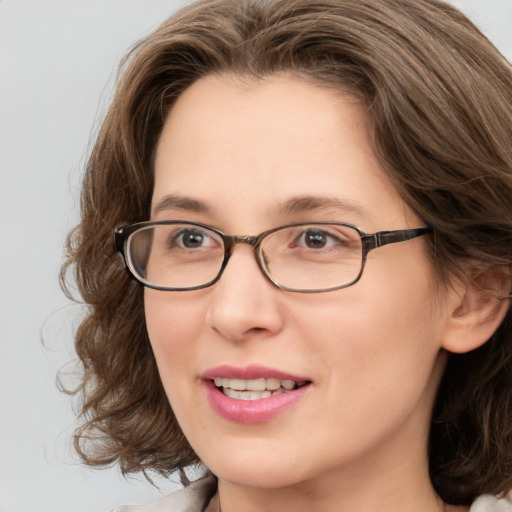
x=312 y=199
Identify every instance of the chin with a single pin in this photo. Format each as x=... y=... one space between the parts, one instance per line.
x=260 y=478
x=265 y=469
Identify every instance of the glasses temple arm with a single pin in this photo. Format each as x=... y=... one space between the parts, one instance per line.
x=391 y=237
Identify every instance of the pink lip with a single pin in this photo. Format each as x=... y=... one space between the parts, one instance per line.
x=250 y=411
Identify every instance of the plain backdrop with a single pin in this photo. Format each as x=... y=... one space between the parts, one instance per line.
x=57 y=64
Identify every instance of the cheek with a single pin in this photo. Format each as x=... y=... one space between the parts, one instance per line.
x=379 y=338
x=174 y=322
x=370 y=314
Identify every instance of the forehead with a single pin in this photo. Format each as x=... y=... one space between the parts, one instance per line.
x=247 y=147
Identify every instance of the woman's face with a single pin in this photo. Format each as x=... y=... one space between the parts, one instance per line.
x=248 y=156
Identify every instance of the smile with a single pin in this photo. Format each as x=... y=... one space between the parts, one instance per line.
x=253 y=394
x=255 y=389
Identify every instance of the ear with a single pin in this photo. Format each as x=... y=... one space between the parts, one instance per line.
x=477 y=308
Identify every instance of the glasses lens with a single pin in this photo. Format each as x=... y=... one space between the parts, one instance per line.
x=178 y=256
x=312 y=256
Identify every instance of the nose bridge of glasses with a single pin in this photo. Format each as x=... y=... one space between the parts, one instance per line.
x=231 y=241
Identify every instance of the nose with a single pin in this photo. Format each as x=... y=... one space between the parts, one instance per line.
x=244 y=303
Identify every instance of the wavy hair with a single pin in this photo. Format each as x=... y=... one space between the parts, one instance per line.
x=439 y=102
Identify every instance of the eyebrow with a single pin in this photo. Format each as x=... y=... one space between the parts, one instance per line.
x=300 y=204
x=175 y=202
x=294 y=205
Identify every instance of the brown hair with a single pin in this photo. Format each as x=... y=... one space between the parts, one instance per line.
x=439 y=99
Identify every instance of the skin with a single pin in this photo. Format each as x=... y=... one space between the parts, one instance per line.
x=374 y=352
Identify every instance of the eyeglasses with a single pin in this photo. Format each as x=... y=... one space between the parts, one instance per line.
x=307 y=257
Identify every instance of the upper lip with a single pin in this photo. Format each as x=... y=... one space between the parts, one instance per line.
x=249 y=373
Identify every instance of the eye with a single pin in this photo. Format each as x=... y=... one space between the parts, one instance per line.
x=315 y=239
x=192 y=238
x=319 y=239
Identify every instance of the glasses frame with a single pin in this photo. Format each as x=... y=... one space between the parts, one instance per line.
x=369 y=241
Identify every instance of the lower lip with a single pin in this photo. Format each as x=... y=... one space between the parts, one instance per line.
x=251 y=411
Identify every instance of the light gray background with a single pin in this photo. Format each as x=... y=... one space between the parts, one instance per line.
x=57 y=63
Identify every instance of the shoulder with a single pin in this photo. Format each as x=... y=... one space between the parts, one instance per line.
x=188 y=499
x=488 y=503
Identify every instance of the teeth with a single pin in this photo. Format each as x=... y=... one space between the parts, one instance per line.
x=256 y=385
x=273 y=384
x=247 y=395
x=236 y=384
x=255 y=389
x=288 y=384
